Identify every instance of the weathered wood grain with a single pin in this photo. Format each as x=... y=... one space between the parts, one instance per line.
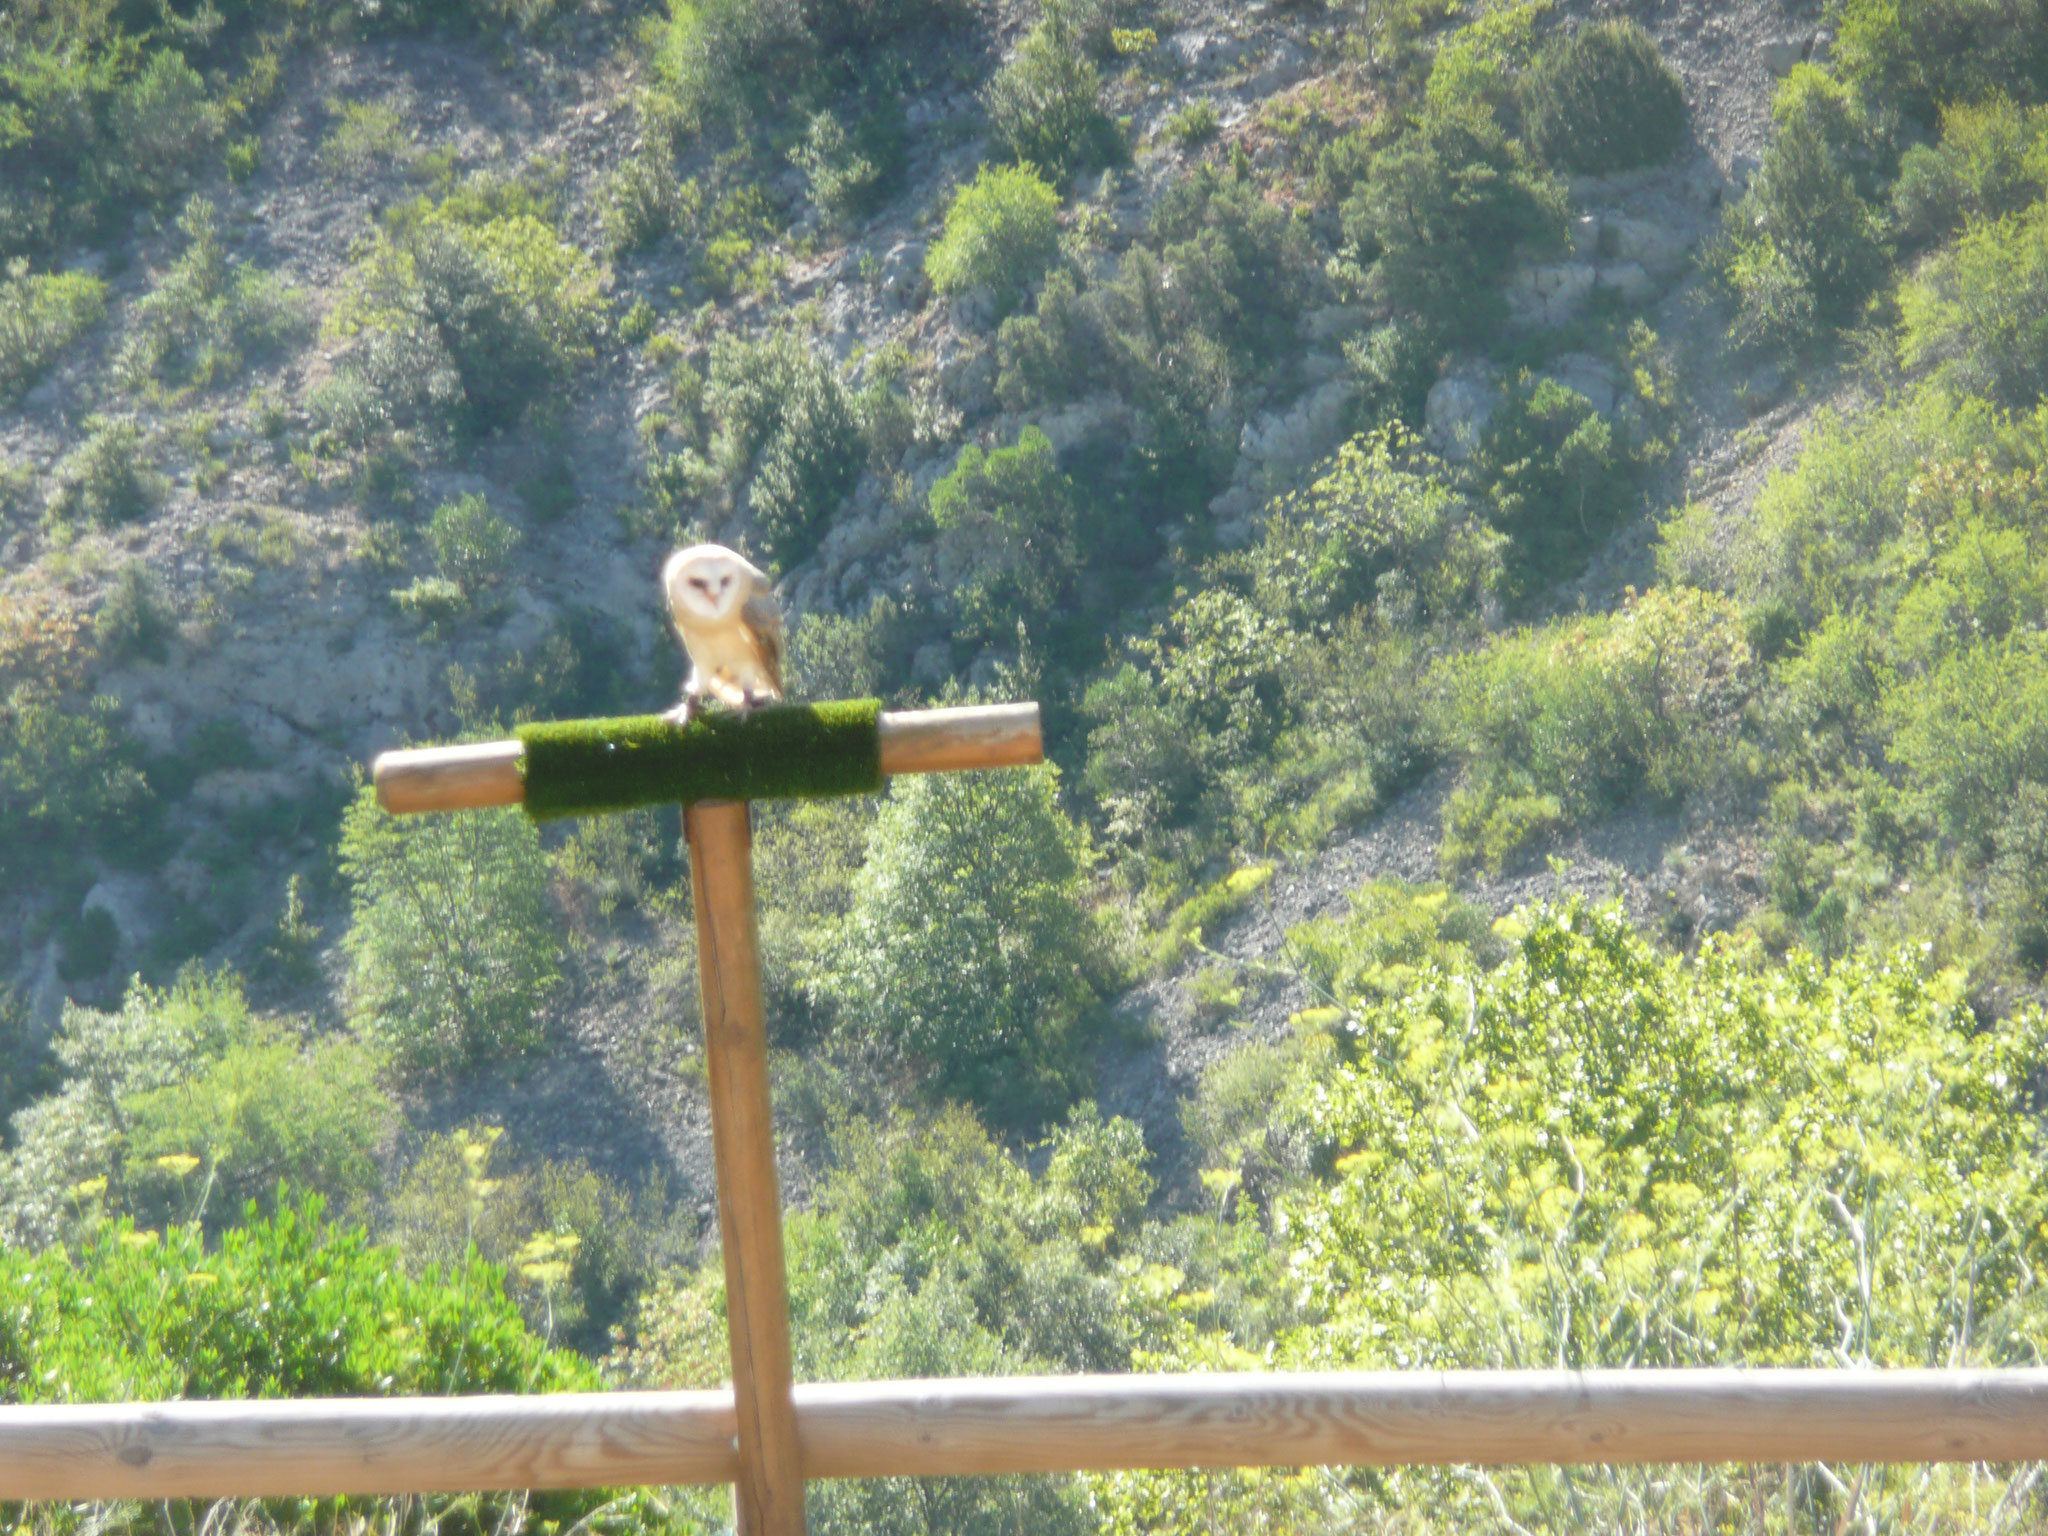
x=459 y=778
x=1029 y=1424
x=334 y=1446
x=769 y=1494
x=974 y=736
x=1043 y=1424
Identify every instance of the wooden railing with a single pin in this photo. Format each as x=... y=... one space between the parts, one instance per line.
x=1025 y=1424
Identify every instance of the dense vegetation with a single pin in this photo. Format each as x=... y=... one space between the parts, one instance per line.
x=1038 y=355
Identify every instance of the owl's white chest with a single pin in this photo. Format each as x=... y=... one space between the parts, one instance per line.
x=724 y=659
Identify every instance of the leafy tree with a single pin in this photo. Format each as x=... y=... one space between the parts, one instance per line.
x=95 y=120
x=462 y=314
x=1480 y=64
x=1008 y=524
x=1983 y=309
x=1601 y=99
x=1045 y=104
x=1803 y=248
x=1445 y=209
x=789 y=440
x=852 y=172
x=452 y=947
x=1920 y=56
x=1001 y=231
x=1972 y=731
x=68 y=778
x=1991 y=160
x=1556 y=475
x=1242 y=264
x=183 y=1104
x=2018 y=881
x=970 y=945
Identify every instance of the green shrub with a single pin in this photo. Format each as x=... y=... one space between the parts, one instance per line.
x=1176 y=375
x=473 y=546
x=1241 y=266
x=68 y=779
x=1970 y=733
x=1598 y=1155
x=1446 y=209
x=575 y=1247
x=788 y=440
x=1192 y=125
x=86 y=944
x=1560 y=724
x=431 y=599
x=1008 y=535
x=852 y=174
x=1053 y=354
x=1556 y=475
x=104 y=481
x=452 y=944
x=1045 y=104
x=1480 y=65
x=1146 y=763
x=1802 y=249
x=1991 y=160
x=1376 y=507
x=1197 y=919
x=1983 y=309
x=39 y=318
x=643 y=200
x=184 y=1097
x=365 y=137
x=137 y=619
x=1601 y=100
x=162 y=122
x=1920 y=56
x=2018 y=884
x=461 y=316
x=1392 y=931
x=208 y=314
x=1002 y=230
x=970 y=946
x=725 y=63
x=284 y=1306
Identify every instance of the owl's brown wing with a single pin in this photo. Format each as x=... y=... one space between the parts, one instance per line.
x=762 y=616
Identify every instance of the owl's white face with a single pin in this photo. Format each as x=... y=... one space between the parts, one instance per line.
x=707 y=582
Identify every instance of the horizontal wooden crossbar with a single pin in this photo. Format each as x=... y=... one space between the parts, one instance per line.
x=474 y=775
x=1026 y=1424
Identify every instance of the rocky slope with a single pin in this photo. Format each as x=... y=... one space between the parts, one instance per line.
x=289 y=634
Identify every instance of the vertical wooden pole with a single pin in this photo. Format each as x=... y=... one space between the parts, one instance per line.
x=769 y=1496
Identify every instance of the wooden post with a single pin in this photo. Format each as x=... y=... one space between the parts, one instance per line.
x=768 y=1497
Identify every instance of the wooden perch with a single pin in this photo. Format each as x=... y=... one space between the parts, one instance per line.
x=491 y=773
x=1027 y=1424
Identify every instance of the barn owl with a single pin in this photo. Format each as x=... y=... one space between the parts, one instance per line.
x=729 y=624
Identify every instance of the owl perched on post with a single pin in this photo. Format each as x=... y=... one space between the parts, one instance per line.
x=730 y=625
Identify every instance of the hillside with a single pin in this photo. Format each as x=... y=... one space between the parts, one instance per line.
x=1444 y=469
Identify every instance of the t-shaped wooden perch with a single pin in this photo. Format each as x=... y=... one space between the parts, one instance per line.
x=714 y=766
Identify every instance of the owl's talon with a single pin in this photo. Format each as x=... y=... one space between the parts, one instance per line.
x=680 y=715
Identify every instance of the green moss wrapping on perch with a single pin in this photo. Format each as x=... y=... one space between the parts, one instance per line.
x=803 y=751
